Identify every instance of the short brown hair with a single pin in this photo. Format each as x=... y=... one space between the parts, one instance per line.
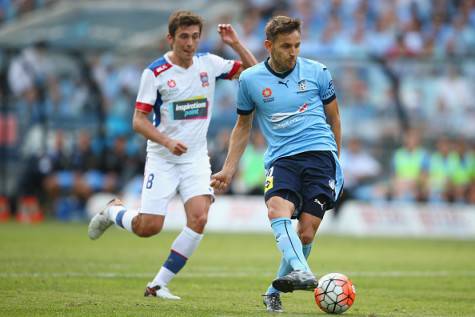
x=281 y=25
x=183 y=18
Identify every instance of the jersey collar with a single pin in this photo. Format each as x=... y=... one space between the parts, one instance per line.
x=280 y=75
x=167 y=58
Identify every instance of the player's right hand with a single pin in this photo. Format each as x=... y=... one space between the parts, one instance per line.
x=176 y=147
x=221 y=180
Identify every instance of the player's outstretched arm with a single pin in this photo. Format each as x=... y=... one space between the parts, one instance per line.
x=237 y=144
x=142 y=125
x=333 y=119
x=230 y=37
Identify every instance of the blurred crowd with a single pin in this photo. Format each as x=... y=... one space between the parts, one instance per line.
x=11 y=10
x=445 y=173
x=72 y=114
x=358 y=28
x=431 y=170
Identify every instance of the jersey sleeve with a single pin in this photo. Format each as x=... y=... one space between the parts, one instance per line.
x=224 y=68
x=245 y=105
x=327 y=90
x=147 y=95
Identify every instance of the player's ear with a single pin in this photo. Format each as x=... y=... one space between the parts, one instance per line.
x=268 y=45
x=170 y=40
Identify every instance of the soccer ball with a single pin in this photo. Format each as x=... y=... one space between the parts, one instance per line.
x=335 y=293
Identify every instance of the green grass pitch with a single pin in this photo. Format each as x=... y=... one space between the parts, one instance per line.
x=53 y=269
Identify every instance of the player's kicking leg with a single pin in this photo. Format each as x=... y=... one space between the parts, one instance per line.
x=115 y=212
x=296 y=280
x=102 y=220
x=287 y=280
x=271 y=298
x=300 y=278
x=142 y=225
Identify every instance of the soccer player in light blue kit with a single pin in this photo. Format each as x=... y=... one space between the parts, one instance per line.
x=294 y=101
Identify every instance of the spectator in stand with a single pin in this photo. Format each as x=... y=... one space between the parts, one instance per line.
x=408 y=164
x=36 y=176
x=462 y=166
x=381 y=37
x=438 y=172
x=361 y=169
x=412 y=31
x=119 y=164
x=72 y=185
x=218 y=150
x=30 y=69
x=455 y=92
x=353 y=42
x=249 y=27
x=471 y=194
x=250 y=178
x=461 y=38
x=400 y=48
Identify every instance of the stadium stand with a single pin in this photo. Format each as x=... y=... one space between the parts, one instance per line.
x=69 y=72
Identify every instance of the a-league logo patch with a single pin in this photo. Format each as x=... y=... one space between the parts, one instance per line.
x=269 y=183
x=269 y=180
x=204 y=79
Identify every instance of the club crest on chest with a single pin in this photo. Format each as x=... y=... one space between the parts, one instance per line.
x=204 y=79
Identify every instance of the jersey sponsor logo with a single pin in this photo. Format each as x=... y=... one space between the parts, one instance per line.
x=204 y=79
x=160 y=69
x=281 y=116
x=190 y=109
x=283 y=120
x=286 y=123
x=171 y=83
x=267 y=93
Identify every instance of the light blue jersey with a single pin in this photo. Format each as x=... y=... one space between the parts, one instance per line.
x=289 y=107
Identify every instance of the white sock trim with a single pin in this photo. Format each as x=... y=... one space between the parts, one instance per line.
x=114 y=211
x=192 y=234
x=128 y=218
x=163 y=277
x=186 y=242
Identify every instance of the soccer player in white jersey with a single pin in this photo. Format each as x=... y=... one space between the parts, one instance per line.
x=294 y=102
x=179 y=89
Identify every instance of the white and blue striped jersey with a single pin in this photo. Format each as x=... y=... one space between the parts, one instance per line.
x=289 y=107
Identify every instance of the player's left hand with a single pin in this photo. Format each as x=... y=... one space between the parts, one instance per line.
x=228 y=34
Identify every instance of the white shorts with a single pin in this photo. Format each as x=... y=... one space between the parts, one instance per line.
x=163 y=179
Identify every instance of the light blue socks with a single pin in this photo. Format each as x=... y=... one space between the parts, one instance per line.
x=294 y=254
